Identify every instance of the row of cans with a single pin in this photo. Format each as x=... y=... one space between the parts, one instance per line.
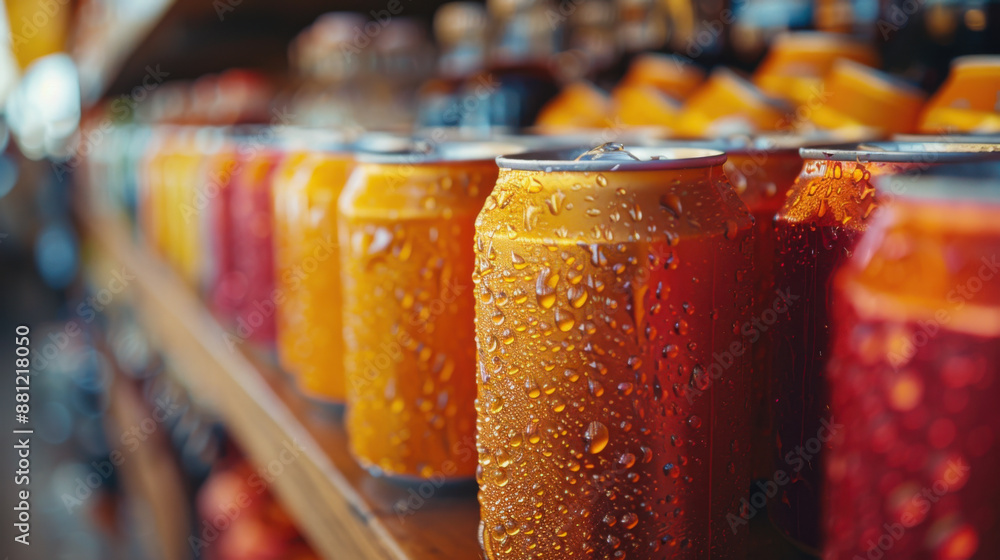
x=634 y=349
x=807 y=81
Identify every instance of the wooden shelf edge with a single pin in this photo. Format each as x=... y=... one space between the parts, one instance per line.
x=328 y=508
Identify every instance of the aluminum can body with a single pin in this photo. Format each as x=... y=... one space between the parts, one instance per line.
x=613 y=383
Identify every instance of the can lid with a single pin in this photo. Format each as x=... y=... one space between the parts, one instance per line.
x=762 y=142
x=976 y=61
x=951 y=185
x=319 y=139
x=411 y=151
x=906 y=152
x=288 y=137
x=968 y=138
x=615 y=157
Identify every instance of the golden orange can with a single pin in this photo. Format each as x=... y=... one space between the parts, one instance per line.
x=967 y=101
x=406 y=224
x=857 y=96
x=613 y=384
x=308 y=318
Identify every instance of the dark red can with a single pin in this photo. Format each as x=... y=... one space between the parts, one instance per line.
x=818 y=228
x=912 y=474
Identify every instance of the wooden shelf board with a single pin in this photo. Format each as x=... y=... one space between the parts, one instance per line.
x=343 y=511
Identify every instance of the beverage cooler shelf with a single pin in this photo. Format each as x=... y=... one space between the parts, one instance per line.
x=343 y=511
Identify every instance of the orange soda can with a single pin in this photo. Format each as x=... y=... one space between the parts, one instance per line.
x=913 y=378
x=967 y=101
x=797 y=62
x=857 y=96
x=152 y=187
x=827 y=210
x=308 y=318
x=613 y=402
x=406 y=224
x=728 y=104
x=644 y=105
x=579 y=105
x=672 y=75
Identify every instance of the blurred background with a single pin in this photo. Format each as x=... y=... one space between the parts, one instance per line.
x=95 y=65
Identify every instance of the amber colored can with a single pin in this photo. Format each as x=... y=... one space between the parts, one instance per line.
x=309 y=323
x=406 y=231
x=613 y=386
x=827 y=211
x=913 y=378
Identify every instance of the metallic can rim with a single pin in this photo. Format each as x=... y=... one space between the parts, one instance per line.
x=429 y=153
x=905 y=152
x=673 y=157
x=964 y=138
x=756 y=143
x=961 y=189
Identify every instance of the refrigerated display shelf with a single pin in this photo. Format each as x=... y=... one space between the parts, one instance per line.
x=344 y=512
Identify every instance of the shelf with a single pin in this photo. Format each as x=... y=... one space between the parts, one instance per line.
x=151 y=474
x=342 y=511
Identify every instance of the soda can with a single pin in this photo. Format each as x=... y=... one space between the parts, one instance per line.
x=223 y=286
x=308 y=322
x=727 y=104
x=613 y=386
x=817 y=229
x=797 y=62
x=913 y=378
x=406 y=224
x=251 y=214
x=966 y=101
x=854 y=95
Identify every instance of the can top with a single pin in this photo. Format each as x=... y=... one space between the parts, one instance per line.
x=946 y=187
x=415 y=152
x=315 y=138
x=615 y=157
x=762 y=142
x=967 y=138
x=976 y=61
x=906 y=152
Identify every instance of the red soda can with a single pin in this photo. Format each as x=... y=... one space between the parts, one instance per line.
x=817 y=229
x=613 y=387
x=913 y=378
x=251 y=213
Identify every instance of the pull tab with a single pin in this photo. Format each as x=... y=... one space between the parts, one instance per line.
x=609 y=151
